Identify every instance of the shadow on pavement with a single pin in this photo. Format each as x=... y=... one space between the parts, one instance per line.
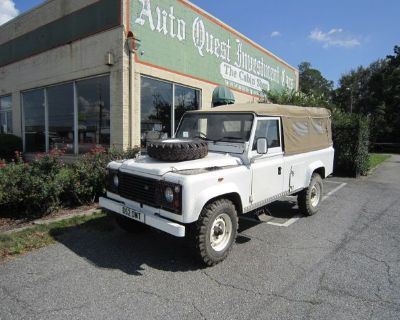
x=130 y=253
x=105 y=245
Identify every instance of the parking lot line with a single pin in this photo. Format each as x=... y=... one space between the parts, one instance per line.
x=330 y=181
x=296 y=218
x=286 y=224
x=333 y=191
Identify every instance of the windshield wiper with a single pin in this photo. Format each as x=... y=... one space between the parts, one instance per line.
x=231 y=138
x=203 y=138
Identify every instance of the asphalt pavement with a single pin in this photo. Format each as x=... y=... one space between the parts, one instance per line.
x=343 y=263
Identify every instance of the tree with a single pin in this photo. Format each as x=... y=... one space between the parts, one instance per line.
x=312 y=82
x=374 y=91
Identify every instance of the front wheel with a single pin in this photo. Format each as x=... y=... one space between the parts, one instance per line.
x=310 y=198
x=216 y=231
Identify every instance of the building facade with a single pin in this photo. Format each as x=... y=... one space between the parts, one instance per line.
x=74 y=74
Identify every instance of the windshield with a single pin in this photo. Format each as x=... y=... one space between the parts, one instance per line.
x=229 y=127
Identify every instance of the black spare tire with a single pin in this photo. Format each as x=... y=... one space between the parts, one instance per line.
x=177 y=149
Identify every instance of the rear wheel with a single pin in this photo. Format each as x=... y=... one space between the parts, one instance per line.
x=216 y=231
x=129 y=225
x=310 y=198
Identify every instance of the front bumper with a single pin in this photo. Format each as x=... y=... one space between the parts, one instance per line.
x=152 y=220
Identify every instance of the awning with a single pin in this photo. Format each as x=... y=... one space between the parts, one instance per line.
x=222 y=96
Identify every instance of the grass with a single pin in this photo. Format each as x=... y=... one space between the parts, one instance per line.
x=40 y=236
x=375 y=159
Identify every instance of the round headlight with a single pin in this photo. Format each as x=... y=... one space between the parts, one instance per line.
x=169 y=194
x=116 y=180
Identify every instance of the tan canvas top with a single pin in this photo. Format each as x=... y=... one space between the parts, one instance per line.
x=263 y=109
x=305 y=129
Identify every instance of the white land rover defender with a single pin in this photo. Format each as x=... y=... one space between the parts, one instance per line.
x=223 y=163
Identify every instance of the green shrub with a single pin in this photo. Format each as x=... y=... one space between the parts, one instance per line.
x=9 y=144
x=29 y=189
x=296 y=98
x=46 y=183
x=350 y=140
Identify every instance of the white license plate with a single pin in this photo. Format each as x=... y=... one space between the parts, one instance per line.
x=130 y=213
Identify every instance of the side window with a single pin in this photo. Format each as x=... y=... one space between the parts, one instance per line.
x=268 y=129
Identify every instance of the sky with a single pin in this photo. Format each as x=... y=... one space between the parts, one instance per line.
x=334 y=36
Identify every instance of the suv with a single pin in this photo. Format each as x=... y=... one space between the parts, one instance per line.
x=223 y=163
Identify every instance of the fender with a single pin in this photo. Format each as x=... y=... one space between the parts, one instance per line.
x=211 y=193
x=311 y=168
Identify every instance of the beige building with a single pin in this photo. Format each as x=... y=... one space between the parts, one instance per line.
x=75 y=74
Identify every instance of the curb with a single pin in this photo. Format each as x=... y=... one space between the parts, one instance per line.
x=49 y=221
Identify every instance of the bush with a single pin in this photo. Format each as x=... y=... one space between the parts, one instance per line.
x=350 y=140
x=29 y=189
x=296 y=98
x=9 y=144
x=46 y=183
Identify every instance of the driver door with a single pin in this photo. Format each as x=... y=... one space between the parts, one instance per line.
x=267 y=170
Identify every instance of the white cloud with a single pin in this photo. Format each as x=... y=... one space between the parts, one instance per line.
x=275 y=34
x=334 y=38
x=7 y=11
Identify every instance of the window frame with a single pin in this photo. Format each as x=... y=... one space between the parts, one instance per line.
x=174 y=125
x=6 y=111
x=46 y=106
x=271 y=151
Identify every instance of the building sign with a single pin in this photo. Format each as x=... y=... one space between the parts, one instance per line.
x=176 y=36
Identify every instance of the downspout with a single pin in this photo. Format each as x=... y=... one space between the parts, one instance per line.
x=130 y=112
x=131 y=44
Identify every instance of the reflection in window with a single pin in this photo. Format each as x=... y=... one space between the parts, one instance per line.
x=186 y=99
x=93 y=113
x=5 y=115
x=60 y=101
x=156 y=101
x=33 y=102
x=156 y=107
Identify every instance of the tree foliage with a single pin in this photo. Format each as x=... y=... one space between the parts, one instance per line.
x=313 y=83
x=374 y=91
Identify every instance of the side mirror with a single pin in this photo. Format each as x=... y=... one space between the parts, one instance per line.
x=262 y=146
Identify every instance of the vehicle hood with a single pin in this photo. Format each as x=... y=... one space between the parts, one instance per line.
x=148 y=165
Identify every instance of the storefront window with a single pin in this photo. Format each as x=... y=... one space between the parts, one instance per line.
x=60 y=100
x=93 y=113
x=54 y=108
x=5 y=115
x=157 y=99
x=156 y=102
x=34 y=116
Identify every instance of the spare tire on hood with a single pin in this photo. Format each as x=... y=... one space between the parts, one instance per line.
x=177 y=149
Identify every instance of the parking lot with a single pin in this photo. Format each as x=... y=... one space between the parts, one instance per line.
x=343 y=263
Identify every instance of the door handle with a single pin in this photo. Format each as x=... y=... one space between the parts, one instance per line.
x=279 y=170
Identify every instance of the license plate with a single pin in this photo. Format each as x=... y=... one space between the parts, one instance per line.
x=130 y=213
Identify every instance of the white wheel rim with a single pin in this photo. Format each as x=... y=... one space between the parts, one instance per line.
x=315 y=195
x=221 y=231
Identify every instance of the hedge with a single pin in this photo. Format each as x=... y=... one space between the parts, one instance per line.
x=351 y=141
x=29 y=190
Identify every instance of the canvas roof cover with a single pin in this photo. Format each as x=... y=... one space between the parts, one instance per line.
x=305 y=129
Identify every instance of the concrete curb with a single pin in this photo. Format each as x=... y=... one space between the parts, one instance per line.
x=48 y=221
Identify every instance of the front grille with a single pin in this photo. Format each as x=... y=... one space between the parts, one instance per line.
x=139 y=189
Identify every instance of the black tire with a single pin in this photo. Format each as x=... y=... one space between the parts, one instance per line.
x=310 y=198
x=211 y=215
x=129 y=225
x=177 y=150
